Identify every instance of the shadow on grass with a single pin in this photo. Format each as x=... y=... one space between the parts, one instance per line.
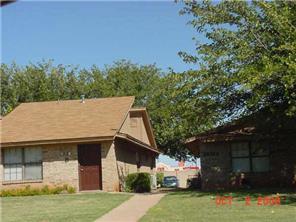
x=287 y=196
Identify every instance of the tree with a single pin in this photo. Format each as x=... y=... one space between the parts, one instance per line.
x=124 y=78
x=8 y=93
x=45 y=81
x=177 y=113
x=248 y=61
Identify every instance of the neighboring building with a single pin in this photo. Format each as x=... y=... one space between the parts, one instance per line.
x=255 y=151
x=161 y=167
x=89 y=144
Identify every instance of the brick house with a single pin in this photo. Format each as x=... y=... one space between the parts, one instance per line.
x=89 y=144
x=255 y=151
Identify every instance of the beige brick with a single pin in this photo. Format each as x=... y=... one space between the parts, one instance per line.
x=60 y=165
x=109 y=171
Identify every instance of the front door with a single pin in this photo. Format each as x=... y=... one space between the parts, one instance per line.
x=90 y=172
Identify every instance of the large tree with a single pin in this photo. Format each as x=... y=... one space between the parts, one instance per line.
x=45 y=81
x=178 y=113
x=246 y=52
x=124 y=78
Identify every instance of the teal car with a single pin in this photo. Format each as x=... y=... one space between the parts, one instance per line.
x=170 y=182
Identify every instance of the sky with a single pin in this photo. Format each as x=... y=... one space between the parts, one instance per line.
x=96 y=33
x=88 y=33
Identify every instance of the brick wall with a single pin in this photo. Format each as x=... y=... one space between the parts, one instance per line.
x=217 y=172
x=109 y=168
x=60 y=165
x=215 y=165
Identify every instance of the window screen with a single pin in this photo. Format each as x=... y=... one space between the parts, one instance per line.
x=240 y=157
x=13 y=172
x=240 y=149
x=241 y=165
x=33 y=155
x=260 y=164
x=260 y=156
x=33 y=172
x=12 y=156
x=259 y=149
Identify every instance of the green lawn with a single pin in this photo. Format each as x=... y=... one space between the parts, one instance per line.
x=202 y=207
x=53 y=208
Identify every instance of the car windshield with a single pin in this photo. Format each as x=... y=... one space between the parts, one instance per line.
x=170 y=179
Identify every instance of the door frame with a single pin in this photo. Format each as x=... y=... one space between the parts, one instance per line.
x=100 y=165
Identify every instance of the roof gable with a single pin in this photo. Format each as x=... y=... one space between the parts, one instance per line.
x=143 y=129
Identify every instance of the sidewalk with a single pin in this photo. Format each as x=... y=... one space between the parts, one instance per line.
x=133 y=209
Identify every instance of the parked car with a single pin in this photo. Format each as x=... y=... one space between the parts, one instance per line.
x=170 y=181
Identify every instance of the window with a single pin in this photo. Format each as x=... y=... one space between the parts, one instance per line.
x=13 y=169
x=22 y=164
x=260 y=157
x=248 y=157
x=240 y=157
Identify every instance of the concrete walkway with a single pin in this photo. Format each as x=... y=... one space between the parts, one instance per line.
x=133 y=209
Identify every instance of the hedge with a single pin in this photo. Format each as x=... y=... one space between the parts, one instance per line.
x=45 y=190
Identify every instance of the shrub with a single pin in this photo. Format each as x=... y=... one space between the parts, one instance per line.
x=71 y=190
x=138 y=182
x=45 y=190
x=129 y=181
x=159 y=179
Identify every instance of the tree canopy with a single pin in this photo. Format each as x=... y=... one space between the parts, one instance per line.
x=45 y=81
x=248 y=61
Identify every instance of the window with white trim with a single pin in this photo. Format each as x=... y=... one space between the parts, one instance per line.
x=250 y=157
x=22 y=164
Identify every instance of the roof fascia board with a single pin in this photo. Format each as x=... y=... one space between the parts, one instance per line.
x=60 y=141
x=125 y=117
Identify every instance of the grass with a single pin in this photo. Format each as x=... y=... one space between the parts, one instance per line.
x=200 y=206
x=55 y=208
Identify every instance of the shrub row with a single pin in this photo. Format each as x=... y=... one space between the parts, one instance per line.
x=29 y=191
x=138 y=182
